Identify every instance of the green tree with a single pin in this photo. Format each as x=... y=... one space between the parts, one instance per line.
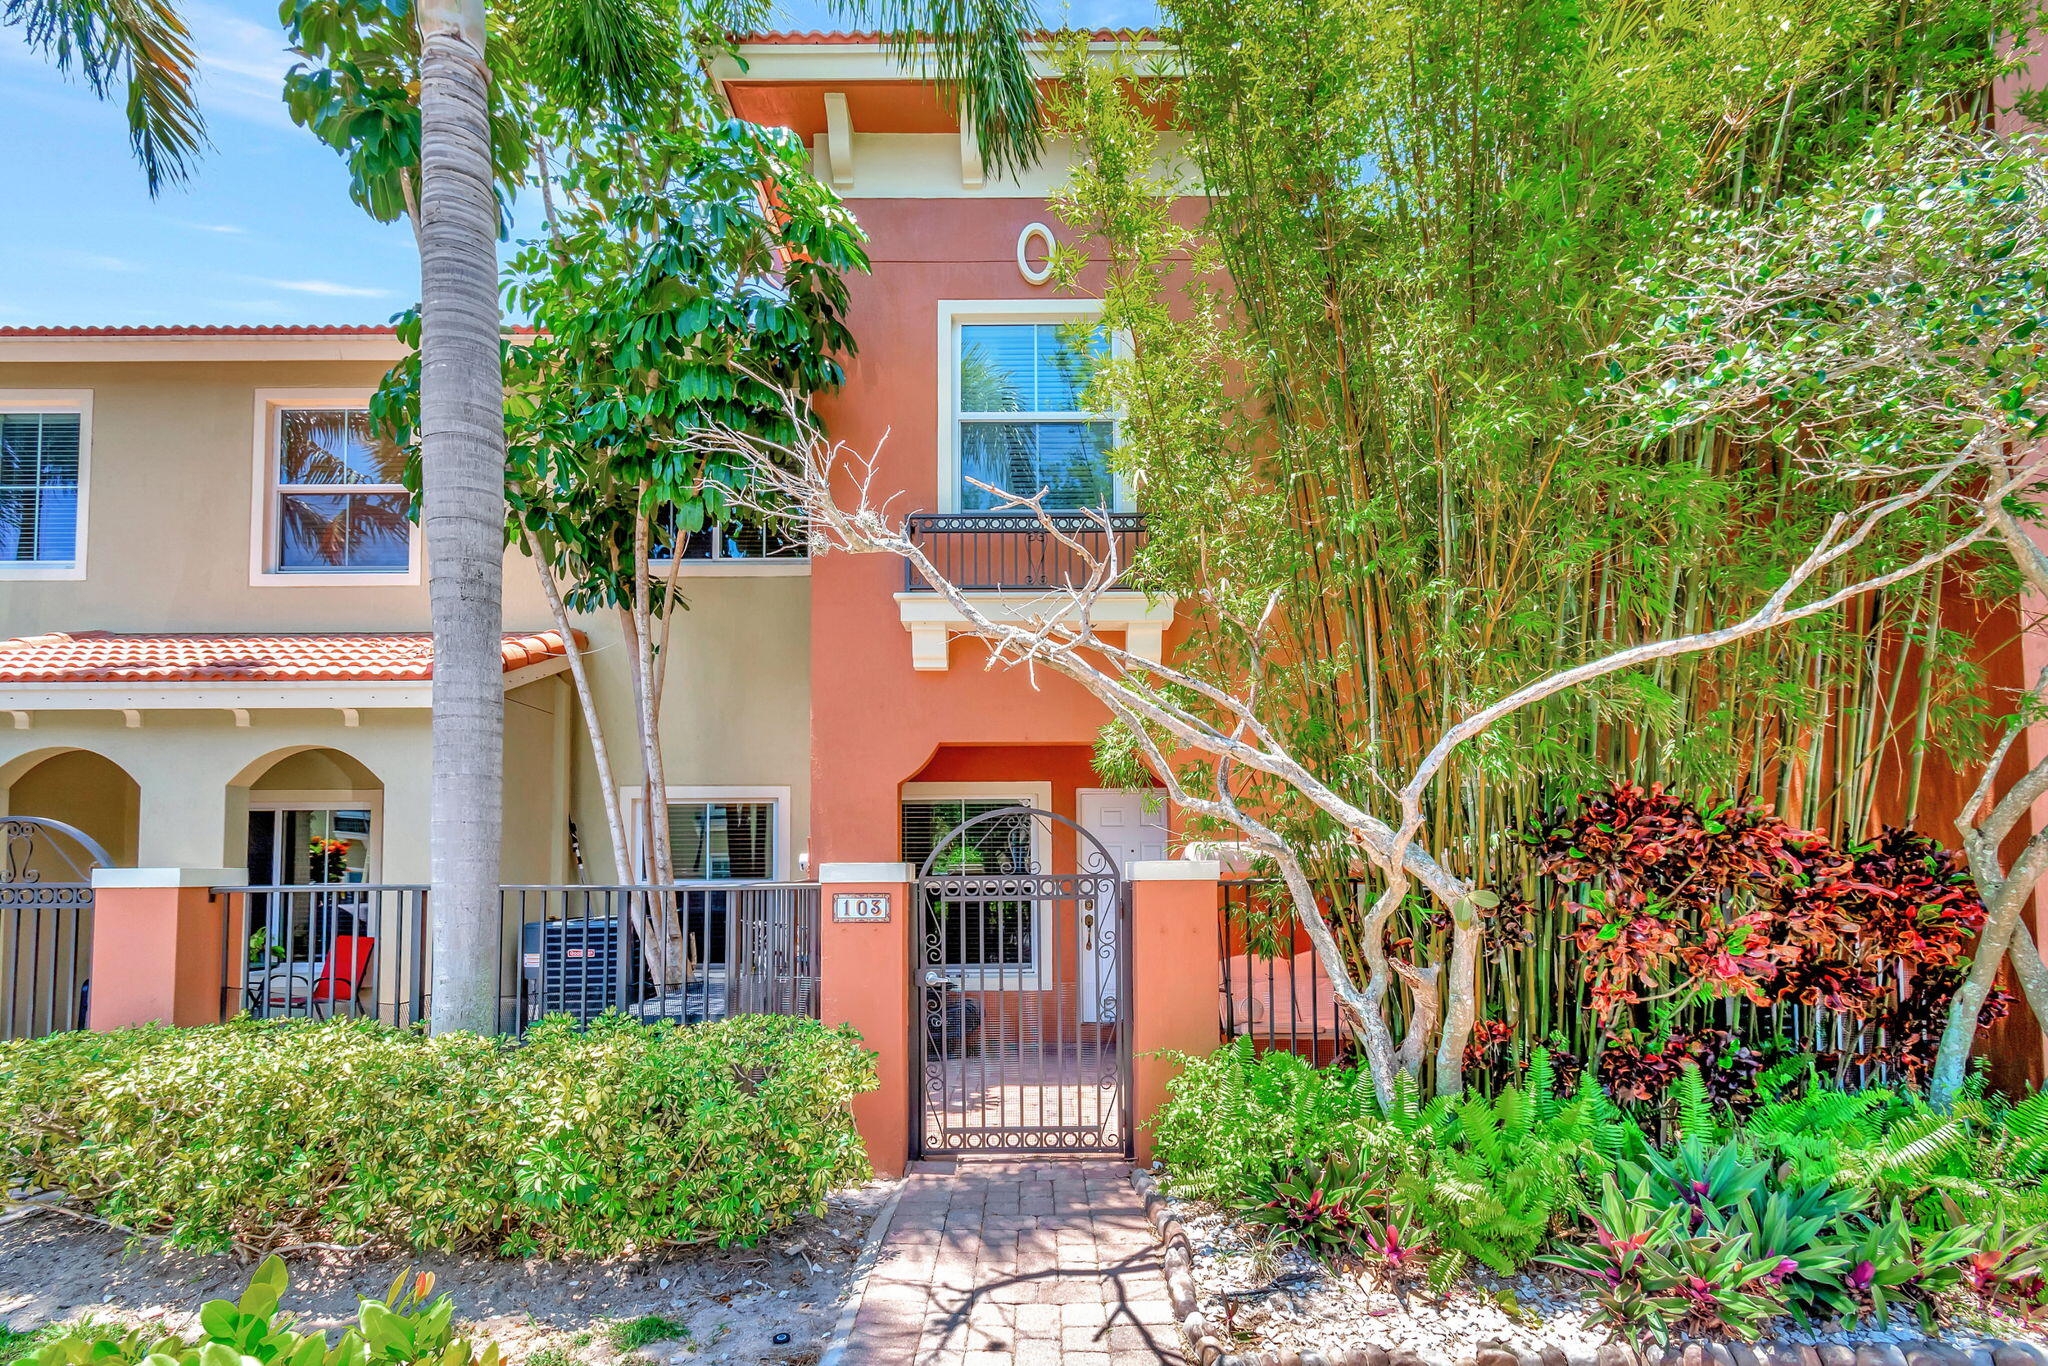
x=1358 y=416
x=667 y=294
x=444 y=157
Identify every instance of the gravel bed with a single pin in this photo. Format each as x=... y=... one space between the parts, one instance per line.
x=774 y=1304
x=1264 y=1297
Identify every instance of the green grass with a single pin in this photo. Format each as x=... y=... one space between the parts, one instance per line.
x=550 y=1356
x=13 y=1344
x=629 y=1335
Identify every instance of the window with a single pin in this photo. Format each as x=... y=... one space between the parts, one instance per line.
x=981 y=934
x=745 y=543
x=42 y=465
x=720 y=841
x=310 y=845
x=337 y=504
x=1018 y=421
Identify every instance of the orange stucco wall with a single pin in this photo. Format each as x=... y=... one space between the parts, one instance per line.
x=864 y=983
x=158 y=957
x=876 y=721
x=1173 y=938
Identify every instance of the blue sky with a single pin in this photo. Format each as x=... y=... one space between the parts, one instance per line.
x=264 y=233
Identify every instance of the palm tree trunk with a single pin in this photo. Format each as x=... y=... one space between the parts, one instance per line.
x=462 y=445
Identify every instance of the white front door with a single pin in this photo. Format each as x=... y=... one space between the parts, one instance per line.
x=1132 y=826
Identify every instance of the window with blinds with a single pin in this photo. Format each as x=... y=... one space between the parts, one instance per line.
x=1021 y=424
x=974 y=933
x=39 y=465
x=722 y=841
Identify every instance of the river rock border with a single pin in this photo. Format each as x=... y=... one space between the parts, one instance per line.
x=1178 y=1258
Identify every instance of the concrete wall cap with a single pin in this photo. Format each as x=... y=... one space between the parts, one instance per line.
x=169 y=877
x=1174 y=870
x=866 y=872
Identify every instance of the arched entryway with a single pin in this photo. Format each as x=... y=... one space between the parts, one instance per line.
x=86 y=791
x=1020 y=972
x=318 y=932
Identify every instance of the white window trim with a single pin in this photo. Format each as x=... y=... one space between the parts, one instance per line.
x=57 y=401
x=955 y=312
x=754 y=567
x=778 y=854
x=328 y=799
x=983 y=977
x=263 y=571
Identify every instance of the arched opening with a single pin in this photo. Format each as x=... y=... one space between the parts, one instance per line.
x=319 y=937
x=315 y=819
x=45 y=906
x=81 y=789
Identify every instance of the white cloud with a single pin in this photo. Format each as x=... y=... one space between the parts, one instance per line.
x=242 y=63
x=90 y=260
x=327 y=288
x=227 y=229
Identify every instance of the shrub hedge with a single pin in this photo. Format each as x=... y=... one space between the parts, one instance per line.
x=263 y=1136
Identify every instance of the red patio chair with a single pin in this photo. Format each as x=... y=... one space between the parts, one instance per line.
x=341 y=975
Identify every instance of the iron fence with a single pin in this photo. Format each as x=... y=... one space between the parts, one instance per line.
x=355 y=949
x=995 y=551
x=1274 y=991
x=686 y=953
x=45 y=957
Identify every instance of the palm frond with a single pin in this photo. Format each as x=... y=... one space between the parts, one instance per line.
x=140 y=46
x=974 y=52
x=596 y=54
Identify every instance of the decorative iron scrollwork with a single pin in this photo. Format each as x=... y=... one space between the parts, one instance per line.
x=1007 y=1062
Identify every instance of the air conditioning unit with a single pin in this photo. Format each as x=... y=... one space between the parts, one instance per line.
x=570 y=967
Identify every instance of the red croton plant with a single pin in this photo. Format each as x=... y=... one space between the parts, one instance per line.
x=1678 y=903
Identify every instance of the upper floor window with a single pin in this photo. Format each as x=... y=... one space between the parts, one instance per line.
x=1019 y=424
x=746 y=542
x=330 y=508
x=340 y=503
x=42 y=466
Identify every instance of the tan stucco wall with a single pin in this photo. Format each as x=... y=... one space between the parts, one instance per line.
x=84 y=791
x=171 y=475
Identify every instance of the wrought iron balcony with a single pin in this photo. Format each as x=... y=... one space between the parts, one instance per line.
x=999 y=551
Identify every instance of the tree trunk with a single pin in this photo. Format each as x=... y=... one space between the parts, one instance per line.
x=462 y=449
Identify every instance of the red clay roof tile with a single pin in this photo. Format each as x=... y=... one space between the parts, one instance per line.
x=111 y=657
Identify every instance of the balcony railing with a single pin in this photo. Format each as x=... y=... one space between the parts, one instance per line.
x=999 y=551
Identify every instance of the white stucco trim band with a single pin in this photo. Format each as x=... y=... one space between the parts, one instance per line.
x=169 y=877
x=313 y=694
x=932 y=621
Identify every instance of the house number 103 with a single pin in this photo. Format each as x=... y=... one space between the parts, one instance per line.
x=866 y=906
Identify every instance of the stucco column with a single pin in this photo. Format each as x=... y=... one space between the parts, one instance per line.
x=1175 y=978
x=157 y=953
x=863 y=982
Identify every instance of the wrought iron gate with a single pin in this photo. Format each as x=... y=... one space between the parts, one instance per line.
x=45 y=925
x=1020 y=984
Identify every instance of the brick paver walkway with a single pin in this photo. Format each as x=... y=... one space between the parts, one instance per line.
x=999 y=1262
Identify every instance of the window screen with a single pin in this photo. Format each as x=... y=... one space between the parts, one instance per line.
x=973 y=933
x=39 y=460
x=1022 y=427
x=722 y=841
